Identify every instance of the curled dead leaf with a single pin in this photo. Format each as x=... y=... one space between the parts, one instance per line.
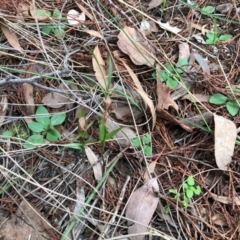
x=133 y=44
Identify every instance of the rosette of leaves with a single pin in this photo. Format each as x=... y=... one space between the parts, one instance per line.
x=44 y=124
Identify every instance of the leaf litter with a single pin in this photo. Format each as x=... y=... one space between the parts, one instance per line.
x=180 y=128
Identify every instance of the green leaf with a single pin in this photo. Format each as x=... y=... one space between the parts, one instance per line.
x=208 y=10
x=41 y=13
x=146 y=139
x=209 y=41
x=36 y=127
x=7 y=134
x=232 y=108
x=225 y=37
x=57 y=14
x=136 y=142
x=218 y=99
x=112 y=133
x=182 y=62
x=185 y=186
x=77 y=146
x=42 y=116
x=189 y=193
x=171 y=83
x=197 y=190
x=174 y=191
x=53 y=135
x=163 y=75
x=58 y=119
x=147 y=150
x=46 y=30
x=59 y=32
x=190 y=181
x=33 y=141
x=170 y=68
x=211 y=36
x=185 y=202
x=102 y=131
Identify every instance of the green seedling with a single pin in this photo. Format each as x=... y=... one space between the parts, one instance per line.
x=55 y=28
x=45 y=125
x=213 y=37
x=188 y=191
x=207 y=10
x=145 y=142
x=232 y=106
x=172 y=75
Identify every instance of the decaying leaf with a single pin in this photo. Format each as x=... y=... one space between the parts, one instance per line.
x=169 y=28
x=202 y=62
x=163 y=114
x=148 y=102
x=226 y=200
x=27 y=223
x=124 y=136
x=10 y=36
x=57 y=100
x=99 y=68
x=201 y=98
x=148 y=26
x=153 y=4
x=150 y=169
x=141 y=208
x=93 y=33
x=85 y=11
x=3 y=109
x=28 y=94
x=225 y=135
x=164 y=98
x=74 y=17
x=95 y=163
x=133 y=44
x=200 y=119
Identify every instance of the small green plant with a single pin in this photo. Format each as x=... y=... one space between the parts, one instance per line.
x=172 y=75
x=144 y=142
x=188 y=191
x=231 y=105
x=55 y=28
x=213 y=37
x=45 y=125
x=207 y=10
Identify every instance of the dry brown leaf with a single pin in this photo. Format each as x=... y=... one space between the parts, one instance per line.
x=3 y=109
x=148 y=102
x=200 y=28
x=57 y=100
x=10 y=36
x=226 y=200
x=201 y=98
x=133 y=44
x=93 y=33
x=28 y=94
x=84 y=10
x=23 y=9
x=163 y=114
x=141 y=207
x=184 y=51
x=27 y=223
x=198 y=119
x=164 y=98
x=151 y=168
x=99 y=68
x=153 y=4
x=95 y=163
x=225 y=135
x=122 y=137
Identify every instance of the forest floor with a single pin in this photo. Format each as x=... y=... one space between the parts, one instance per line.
x=119 y=119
